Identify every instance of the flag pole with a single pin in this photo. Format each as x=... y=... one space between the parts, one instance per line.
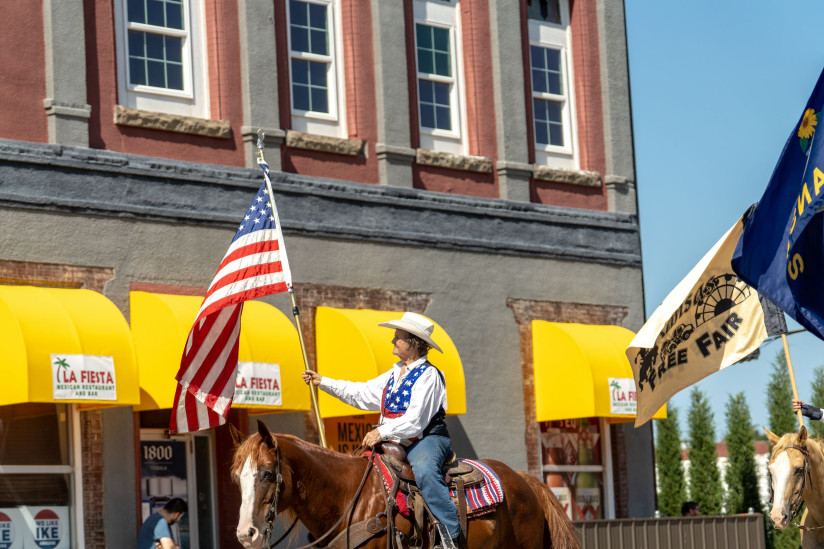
x=792 y=375
x=295 y=310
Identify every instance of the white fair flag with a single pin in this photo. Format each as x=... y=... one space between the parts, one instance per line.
x=709 y=321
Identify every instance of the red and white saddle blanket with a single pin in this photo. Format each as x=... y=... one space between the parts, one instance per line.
x=480 y=498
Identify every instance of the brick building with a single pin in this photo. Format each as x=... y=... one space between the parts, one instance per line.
x=470 y=160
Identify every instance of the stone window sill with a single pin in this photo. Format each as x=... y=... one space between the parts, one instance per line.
x=323 y=143
x=136 y=118
x=478 y=164
x=580 y=178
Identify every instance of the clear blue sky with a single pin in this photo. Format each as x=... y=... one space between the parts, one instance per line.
x=717 y=86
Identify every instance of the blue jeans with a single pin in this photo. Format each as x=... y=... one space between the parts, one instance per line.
x=427 y=456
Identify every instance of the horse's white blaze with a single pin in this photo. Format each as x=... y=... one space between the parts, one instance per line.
x=247 y=478
x=781 y=470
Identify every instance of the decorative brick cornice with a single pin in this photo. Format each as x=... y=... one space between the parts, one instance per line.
x=124 y=116
x=324 y=143
x=54 y=275
x=478 y=164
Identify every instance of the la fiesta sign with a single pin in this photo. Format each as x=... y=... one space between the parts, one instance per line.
x=623 y=398
x=258 y=383
x=83 y=377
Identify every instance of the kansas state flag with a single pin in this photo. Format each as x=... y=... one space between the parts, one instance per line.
x=781 y=253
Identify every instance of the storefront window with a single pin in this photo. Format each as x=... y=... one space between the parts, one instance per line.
x=36 y=476
x=573 y=465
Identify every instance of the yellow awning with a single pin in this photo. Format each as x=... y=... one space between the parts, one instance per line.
x=36 y=323
x=160 y=326
x=573 y=364
x=350 y=345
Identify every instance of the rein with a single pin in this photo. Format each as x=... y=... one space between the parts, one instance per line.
x=270 y=516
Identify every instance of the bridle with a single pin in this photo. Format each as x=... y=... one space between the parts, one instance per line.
x=271 y=514
x=795 y=506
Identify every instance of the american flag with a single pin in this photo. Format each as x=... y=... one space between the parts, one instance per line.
x=255 y=265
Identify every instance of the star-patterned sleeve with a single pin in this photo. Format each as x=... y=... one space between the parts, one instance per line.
x=428 y=394
x=364 y=395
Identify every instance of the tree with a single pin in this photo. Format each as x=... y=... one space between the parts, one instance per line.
x=671 y=487
x=741 y=476
x=817 y=399
x=704 y=479
x=779 y=399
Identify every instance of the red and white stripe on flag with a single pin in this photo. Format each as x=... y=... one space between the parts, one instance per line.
x=252 y=267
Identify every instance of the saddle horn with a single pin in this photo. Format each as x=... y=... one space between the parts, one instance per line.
x=266 y=435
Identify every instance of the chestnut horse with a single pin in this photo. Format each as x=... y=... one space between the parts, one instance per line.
x=281 y=474
x=797 y=476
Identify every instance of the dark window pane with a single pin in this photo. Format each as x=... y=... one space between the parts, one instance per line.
x=136 y=43
x=300 y=97
x=441 y=93
x=444 y=121
x=423 y=33
x=556 y=135
x=33 y=434
x=553 y=111
x=174 y=49
x=136 y=11
x=539 y=109
x=300 y=71
x=157 y=74
x=537 y=55
x=442 y=64
x=427 y=116
x=319 y=43
x=174 y=15
x=317 y=74
x=154 y=46
x=544 y=10
x=425 y=91
x=174 y=73
x=317 y=16
x=297 y=13
x=137 y=72
x=154 y=13
x=541 y=135
x=553 y=58
x=300 y=39
x=28 y=489
x=425 y=61
x=441 y=37
x=319 y=100
x=554 y=83
x=539 y=81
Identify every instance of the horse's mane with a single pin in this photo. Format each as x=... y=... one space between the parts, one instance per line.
x=789 y=439
x=252 y=446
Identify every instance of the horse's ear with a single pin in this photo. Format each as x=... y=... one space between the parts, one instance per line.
x=265 y=435
x=773 y=438
x=802 y=435
x=237 y=436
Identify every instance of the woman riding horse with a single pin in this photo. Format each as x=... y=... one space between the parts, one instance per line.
x=411 y=398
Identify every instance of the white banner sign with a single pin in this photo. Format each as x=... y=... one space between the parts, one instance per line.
x=83 y=377
x=622 y=396
x=258 y=383
x=35 y=528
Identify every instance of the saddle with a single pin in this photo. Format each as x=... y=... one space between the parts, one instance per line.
x=455 y=472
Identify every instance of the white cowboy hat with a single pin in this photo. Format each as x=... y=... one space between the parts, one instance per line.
x=416 y=325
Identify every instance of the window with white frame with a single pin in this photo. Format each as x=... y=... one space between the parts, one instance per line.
x=41 y=486
x=314 y=69
x=440 y=106
x=161 y=56
x=552 y=97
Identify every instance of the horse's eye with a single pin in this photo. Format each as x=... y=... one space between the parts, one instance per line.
x=268 y=476
x=799 y=470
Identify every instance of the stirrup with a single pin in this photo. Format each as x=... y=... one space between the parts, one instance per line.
x=446 y=539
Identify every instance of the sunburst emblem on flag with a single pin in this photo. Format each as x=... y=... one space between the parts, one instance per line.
x=806 y=129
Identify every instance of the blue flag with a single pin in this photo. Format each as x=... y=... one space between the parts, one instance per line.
x=781 y=252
